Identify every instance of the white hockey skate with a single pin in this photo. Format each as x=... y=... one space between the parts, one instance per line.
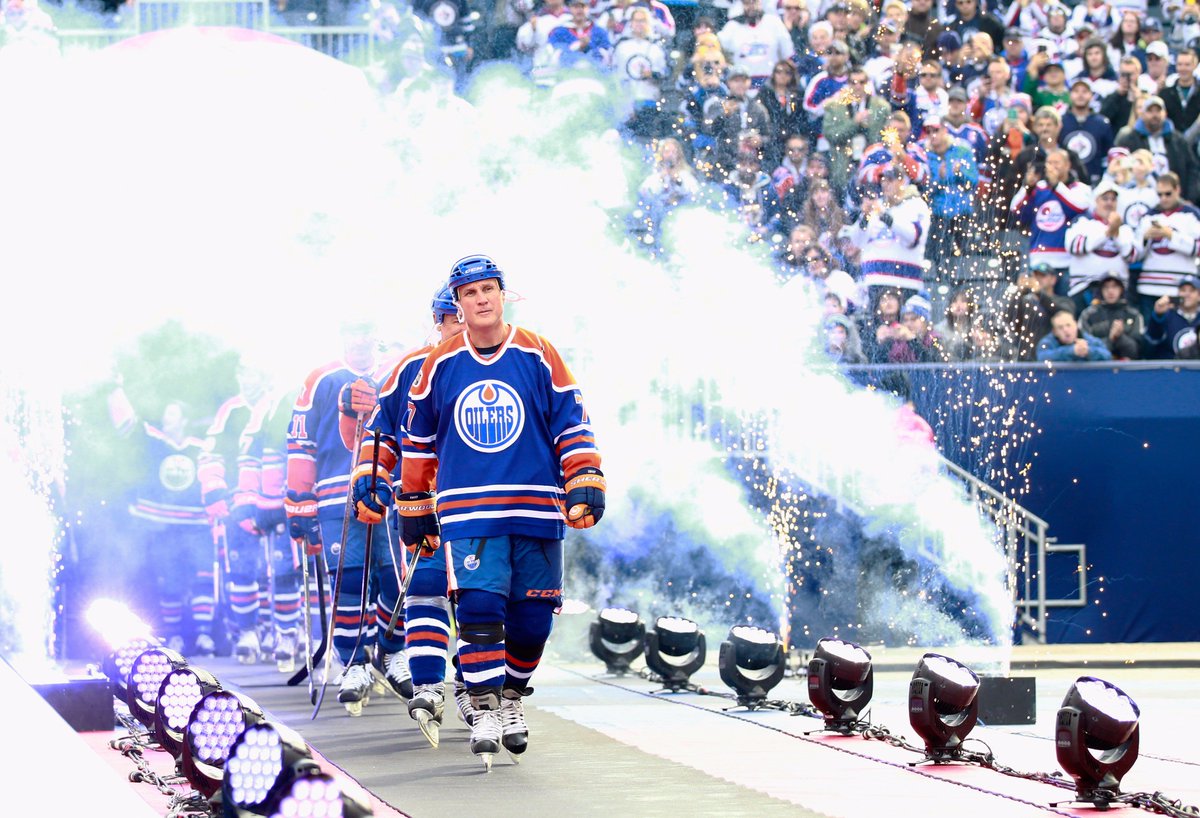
x=515 y=732
x=355 y=689
x=204 y=646
x=462 y=701
x=426 y=707
x=246 y=648
x=266 y=642
x=175 y=643
x=486 y=729
x=285 y=651
x=392 y=674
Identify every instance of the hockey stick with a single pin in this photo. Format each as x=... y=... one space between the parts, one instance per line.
x=307 y=607
x=367 y=563
x=220 y=591
x=412 y=568
x=314 y=659
x=337 y=580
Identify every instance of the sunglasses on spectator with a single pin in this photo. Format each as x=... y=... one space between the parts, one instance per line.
x=928 y=74
x=858 y=82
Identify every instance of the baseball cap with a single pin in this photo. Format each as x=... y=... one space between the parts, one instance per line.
x=838 y=5
x=932 y=121
x=1082 y=80
x=1190 y=281
x=1158 y=49
x=1115 y=153
x=1013 y=34
x=888 y=24
x=1105 y=186
x=959 y=93
x=1151 y=24
x=1152 y=101
x=1042 y=268
x=840 y=47
x=738 y=70
x=949 y=41
x=1055 y=63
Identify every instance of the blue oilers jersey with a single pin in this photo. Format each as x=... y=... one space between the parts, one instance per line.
x=502 y=434
x=388 y=418
x=171 y=493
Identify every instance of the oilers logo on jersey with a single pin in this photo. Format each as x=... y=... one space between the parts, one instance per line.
x=177 y=472
x=489 y=416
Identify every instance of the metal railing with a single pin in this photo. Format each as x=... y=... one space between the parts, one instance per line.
x=353 y=44
x=1027 y=548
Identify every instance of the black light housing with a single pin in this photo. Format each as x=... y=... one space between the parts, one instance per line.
x=943 y=705
x=1097 y=715
x=180 y=692
x=751 y=662
x=319 y=795
x=617 y=637
x=216 y=722
x=841 y=681
x=146 y=676
x=262 y=763
x=675 y=649
x=117 y=664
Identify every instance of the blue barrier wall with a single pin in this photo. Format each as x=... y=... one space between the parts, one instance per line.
x=1114 y=465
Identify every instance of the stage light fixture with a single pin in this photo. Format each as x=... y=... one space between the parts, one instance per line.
x=751 y=662
x=617 y=637
x=215 y=723
x=841 y=682
x=943 y=705
x=675 y=649
x=263 y=761
x=320 y=795
x=180 y=692
x=117 y=664
x=146 y=676
x=1097 y=715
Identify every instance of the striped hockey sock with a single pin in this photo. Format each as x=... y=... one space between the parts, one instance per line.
x=428 y=637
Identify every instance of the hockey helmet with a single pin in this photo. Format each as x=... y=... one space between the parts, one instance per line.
x=443 y=305
x=470 y=269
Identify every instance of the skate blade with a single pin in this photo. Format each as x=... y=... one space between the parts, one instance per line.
x=285 y=665
x=247 y=659
x=354 y=708
x=380 y=687
x=486 y=758
x=516 y=757
x=431 y=728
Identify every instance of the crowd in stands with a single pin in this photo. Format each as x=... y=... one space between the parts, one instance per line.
x=959 y=182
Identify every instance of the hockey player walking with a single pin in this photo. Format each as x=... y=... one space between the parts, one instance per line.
x=426 y=606
x=496 y=414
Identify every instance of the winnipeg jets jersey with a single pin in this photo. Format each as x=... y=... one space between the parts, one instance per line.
x=502 y=433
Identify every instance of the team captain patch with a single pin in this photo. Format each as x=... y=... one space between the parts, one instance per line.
x=489 y=416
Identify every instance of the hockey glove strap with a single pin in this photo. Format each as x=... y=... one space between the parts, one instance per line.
x=418 y=521
x=358 y=397
x=301 y=508
x=585 y=498
x=216 y=504
x=372 y=496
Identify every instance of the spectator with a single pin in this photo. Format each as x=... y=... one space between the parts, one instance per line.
x=1174 y=322
x=1138 y=195
x=893 y=150
x=616 y=18
x=1015 y=55
x=784 y=105
x=796 y=18
x=687 y=40
x=790 y=179
x=883 y=54
x=913 y=340
x=1158 y=65
x=818 y=269
x=1101 y=245
x=962 y=127
x=580 y=41
x=1031 y=303
x=930 y=97
x=1004 y=149
x=995 y=96
x=1126 y=41
x=969 y=19
x=749 y=191
x=1066 y=344
x=702 y=105
x=673 y=183
x=641 y=66
x=1097 y=70
x=921 y=26
x=953 y=176
x=811 y=62
x=955 y=328
x=1154 y=132
x=842 y=343
x=882 y=321
x=892 y=232
x=757 y=41
x=825 y=85
x=739 y=113
x=1179 y=95
x=1100 y=14
x=1046 y=82
x=1047 y=205
x=1089 y=135
x=794 y=258
x=977 y=55
x=1060 y=40
x=953 y=57
x=854 y=119
x=1111 y=318
x=822 y=212
x=533 y=34
x=1047 y=125
x=1185 y=22
x=1132 y=85
x=1170 y=239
